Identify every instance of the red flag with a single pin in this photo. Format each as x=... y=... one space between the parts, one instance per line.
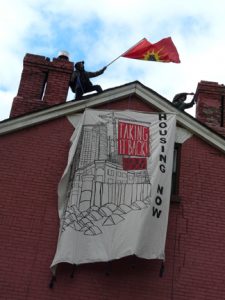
x=162 y=51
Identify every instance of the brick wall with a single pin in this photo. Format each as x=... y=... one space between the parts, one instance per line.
x=199 y=257
x=43 y=83
x=210 y=108
x=32 y=162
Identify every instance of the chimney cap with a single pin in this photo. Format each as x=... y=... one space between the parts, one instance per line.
x=63 y=54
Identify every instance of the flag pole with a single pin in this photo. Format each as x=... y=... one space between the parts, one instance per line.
x=124 y=52
x=113 y=60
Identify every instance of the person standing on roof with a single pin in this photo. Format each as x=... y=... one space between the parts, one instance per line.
x=80 y=82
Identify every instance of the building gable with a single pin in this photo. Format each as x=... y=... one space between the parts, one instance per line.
x=133 y=96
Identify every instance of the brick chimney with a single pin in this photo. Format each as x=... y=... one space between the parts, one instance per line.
x=210 y=107
x=43 y=83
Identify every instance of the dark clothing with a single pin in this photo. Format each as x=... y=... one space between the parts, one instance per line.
x=80 y=92
x=81 y=84
x=178 y=101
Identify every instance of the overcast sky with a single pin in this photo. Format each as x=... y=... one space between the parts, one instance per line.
x=97 y=31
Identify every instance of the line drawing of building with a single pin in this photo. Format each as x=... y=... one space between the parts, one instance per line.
x=100 y=190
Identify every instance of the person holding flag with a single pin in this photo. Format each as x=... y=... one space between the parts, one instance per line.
x=162 y=51
x=80 y=80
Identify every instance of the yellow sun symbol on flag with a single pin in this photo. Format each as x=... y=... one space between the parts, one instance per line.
x=152 y=55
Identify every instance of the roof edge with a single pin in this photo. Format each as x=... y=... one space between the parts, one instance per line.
x=114 y=94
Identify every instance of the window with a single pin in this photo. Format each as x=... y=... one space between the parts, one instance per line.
x=175 y=173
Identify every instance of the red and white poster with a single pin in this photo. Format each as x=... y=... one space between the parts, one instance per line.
x=114 y=194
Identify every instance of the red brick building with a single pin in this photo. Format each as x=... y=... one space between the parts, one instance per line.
x=34 y=144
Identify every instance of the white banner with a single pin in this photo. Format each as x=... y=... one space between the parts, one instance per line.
x=114 y=195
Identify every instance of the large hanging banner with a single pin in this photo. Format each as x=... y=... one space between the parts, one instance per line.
x=114 y=194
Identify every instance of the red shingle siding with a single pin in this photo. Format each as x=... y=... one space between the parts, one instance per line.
x=199 y=255
x=132 y=102
x=32 y=162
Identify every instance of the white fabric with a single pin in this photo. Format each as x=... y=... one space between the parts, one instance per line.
x=114 y=194
x=182 y=135
x=74 y=119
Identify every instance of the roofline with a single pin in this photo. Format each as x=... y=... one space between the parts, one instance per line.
x=114 y=94
x=185 y=120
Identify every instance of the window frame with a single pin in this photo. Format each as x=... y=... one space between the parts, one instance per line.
x=175 y=197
